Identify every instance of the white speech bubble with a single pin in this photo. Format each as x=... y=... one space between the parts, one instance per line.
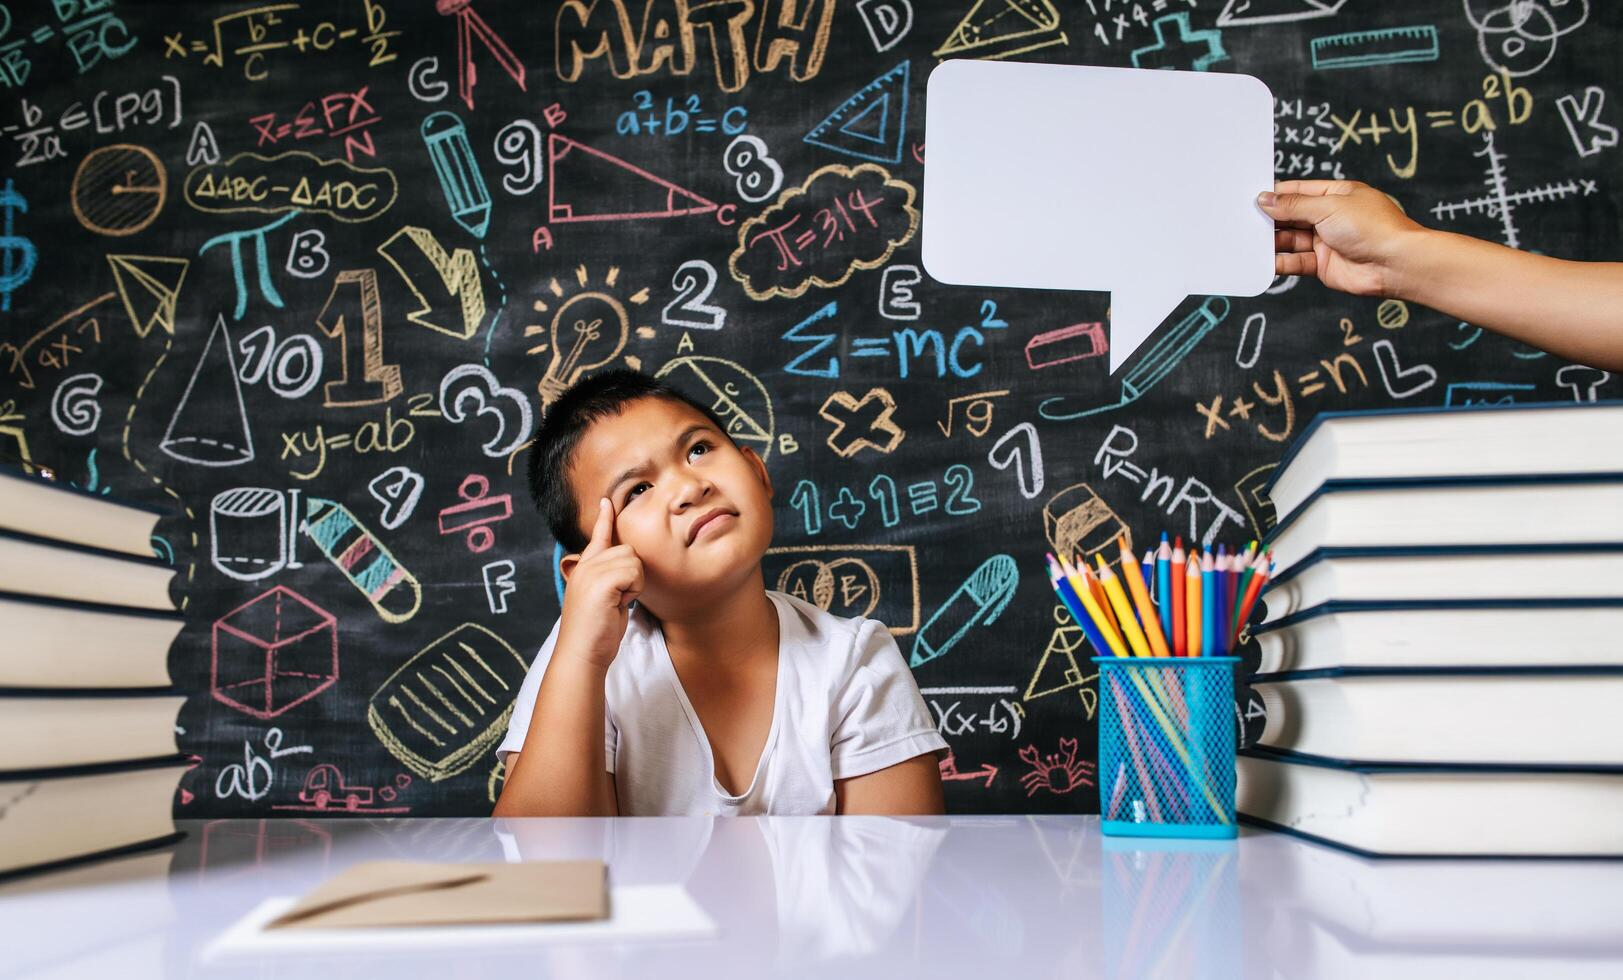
x=1140 y=182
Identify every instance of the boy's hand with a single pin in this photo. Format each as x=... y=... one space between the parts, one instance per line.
x=1348 y=234
x=598 y=598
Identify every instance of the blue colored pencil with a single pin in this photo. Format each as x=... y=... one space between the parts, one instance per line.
x=1163 y=586
x=1208 y=608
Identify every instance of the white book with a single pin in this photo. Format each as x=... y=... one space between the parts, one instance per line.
x=59 y=643
x=41 y=567
x=1434 y=810
x=1457 y=512
x=36 y=505
x=1480 y=572
x=1508 y=717
x=54 y=816
x=1466 y=633
x=1498 y=440
x=43 y=729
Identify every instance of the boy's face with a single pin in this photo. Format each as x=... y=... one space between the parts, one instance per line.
x=664 y=467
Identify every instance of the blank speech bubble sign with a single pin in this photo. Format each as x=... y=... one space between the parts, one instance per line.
x=1139 y=182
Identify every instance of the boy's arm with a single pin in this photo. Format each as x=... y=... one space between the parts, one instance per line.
x=559 y=771
x=910 y=787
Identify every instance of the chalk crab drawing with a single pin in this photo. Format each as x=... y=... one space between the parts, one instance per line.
x=1058 y=772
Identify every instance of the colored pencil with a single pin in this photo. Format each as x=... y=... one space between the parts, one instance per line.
x=1115 y=794
x=1130 y=731
x=1176 y=585
x=1124 y=610
x=1210 y=600
x=1163 y=586
x=1192 y=612
x=1068 y=595
x=1088 y=594
x=1113 y=645
x=1141 y=599
x=1254 y=589
x=1098 y=590
x=1147 y=567
x=1231 y=601
x=1253 y=562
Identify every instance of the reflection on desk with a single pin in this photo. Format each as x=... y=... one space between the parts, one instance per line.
x=1005 y=897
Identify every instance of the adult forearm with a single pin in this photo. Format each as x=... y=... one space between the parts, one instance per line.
x=560 y=770
x=1571 y=309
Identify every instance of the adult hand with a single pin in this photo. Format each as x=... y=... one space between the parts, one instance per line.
x=1351 y=236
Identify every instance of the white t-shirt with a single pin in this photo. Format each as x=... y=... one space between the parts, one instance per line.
x=846 y=704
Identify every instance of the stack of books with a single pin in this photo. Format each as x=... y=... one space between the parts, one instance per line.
x=89 y=763
x=1442 y=655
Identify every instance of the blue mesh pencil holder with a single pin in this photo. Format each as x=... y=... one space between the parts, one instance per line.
x=1166 y=746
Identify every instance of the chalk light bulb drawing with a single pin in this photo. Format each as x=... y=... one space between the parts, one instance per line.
x=587 y=332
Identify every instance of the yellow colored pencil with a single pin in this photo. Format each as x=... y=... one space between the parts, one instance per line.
x=1124 y=609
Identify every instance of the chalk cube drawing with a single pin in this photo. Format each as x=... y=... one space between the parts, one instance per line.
x=447 y=707
x=274 y=651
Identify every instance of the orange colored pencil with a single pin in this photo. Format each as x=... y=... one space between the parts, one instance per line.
x=1133 y=575
x=1192 y=607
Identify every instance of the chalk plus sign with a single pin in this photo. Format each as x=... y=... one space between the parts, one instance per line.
x=1173 y=53
x=1501 y=203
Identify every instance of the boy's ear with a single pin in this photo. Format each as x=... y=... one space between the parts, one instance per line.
x=567 y=564
x=760 y=468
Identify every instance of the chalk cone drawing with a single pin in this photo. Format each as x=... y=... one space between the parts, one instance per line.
x=210 y=424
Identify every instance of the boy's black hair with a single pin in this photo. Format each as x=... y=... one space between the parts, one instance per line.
x=585 y=402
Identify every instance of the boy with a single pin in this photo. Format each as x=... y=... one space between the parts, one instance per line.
x=714 y=694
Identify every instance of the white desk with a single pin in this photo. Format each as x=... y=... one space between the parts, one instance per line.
x=994 y=898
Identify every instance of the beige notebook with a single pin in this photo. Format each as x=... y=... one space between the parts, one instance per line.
x=413 y=893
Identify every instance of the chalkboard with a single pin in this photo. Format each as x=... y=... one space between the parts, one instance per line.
x=308 y=274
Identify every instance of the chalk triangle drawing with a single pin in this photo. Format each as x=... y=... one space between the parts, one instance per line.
x=1245 y=12
x=210 y=424
x=865 y=125
x=149 y=286
x=992 y=24
x=597 y=186
x=1056 y=671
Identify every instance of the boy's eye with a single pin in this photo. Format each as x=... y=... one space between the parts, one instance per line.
x=632 y=494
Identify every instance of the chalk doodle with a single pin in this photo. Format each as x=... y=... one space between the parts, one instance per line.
x=791 y=246
x=119 y=190
x=273 y=652
x=395 y=593
x=449 y=703
x=17 y=254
